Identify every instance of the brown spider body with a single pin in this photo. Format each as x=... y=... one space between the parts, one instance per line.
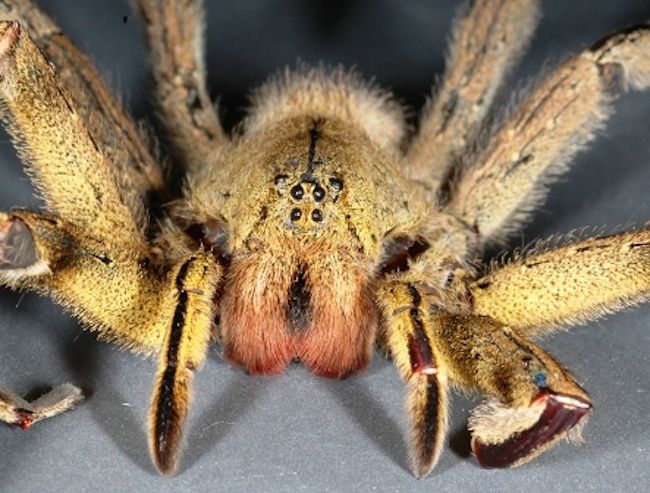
x=301 y=271
x=320 y=229
x=302 y=266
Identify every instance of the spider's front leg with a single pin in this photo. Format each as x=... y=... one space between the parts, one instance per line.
x=124 y=300
x=63 y=151
x=433 y=335
x=533 y=401
x=90 y=253
x=508 y=179
x=174 y=34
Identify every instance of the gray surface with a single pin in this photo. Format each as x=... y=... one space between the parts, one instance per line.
x=297 y=432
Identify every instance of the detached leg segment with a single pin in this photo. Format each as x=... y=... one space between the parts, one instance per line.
x=17 y=411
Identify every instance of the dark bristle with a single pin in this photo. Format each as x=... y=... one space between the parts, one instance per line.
x=299 y=302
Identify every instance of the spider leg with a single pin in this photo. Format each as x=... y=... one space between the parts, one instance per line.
x=174 y=32
x=113 y=291
x=17 y=411
x=410 y=341
x=536 y=143
x=533 y=401
x=112 y=129
x=420 y=264
x=487 y=40
x=195 y=283
x=62 y=156
x=125 y=302
x=92 y=248
x=578 y=282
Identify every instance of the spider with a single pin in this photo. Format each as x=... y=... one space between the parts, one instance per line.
x=320 y=229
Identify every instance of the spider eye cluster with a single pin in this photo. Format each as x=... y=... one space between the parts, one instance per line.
x=307 y=195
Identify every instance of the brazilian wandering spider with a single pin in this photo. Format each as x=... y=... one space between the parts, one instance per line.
x=302 y=287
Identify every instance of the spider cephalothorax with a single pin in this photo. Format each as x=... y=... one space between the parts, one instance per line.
x=318 y=232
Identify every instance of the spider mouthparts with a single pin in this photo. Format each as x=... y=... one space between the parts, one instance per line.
x=562 y=413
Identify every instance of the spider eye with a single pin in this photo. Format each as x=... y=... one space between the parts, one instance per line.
x=281 y=181
x=317 y=215
x=297 y=192
x=336 y=184
x=319 y=193
x=296 y=214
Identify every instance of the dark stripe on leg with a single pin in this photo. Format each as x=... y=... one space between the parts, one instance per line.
x=427 y=421
x=420 y=353
x=427 y=403
x=166 y=427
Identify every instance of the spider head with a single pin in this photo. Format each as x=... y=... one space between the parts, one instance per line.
x=305 y=230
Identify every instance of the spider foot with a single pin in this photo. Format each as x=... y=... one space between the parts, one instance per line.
x=16 y=244
x=17 y=411
x=19 y=256
x=508 y=437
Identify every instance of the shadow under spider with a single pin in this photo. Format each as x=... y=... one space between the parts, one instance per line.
x=212 y=425
x=369 y=413
x=386 y=433
x=91 y=372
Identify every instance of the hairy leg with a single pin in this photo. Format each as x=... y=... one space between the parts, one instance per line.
x=123 y=300
x=113 y=291
x=420 y=265
x=486 y=42
x=538 y=291
x=409 y=341
x=533 y=402
x=195 y=282
x=62 y=156
x=174 y=32
x=75 y=156
x=507 y=181
x=112 y=129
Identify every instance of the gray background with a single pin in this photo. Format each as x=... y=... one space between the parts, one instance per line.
x=297 y=432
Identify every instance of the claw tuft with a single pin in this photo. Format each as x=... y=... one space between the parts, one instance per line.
x=560 y=415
